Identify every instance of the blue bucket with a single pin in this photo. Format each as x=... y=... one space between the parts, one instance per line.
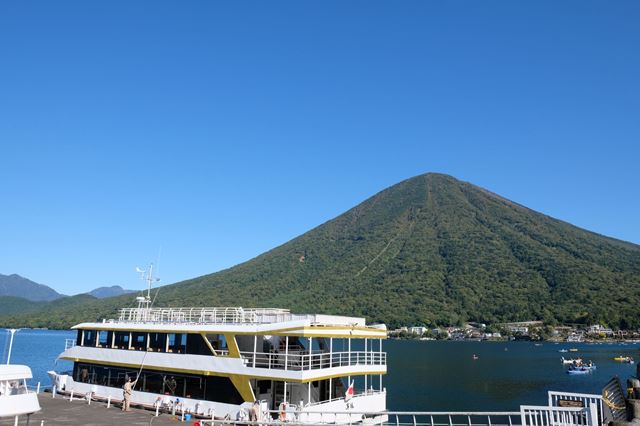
x=187 y=417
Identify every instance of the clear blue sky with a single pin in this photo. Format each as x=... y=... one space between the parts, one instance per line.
x=220 y=130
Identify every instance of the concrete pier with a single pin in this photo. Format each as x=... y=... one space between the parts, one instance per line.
x=60 y=411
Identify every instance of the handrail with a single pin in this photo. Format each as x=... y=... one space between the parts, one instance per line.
x=431 y=418
x=216 y=315
x=527 y=416
x=315 y=361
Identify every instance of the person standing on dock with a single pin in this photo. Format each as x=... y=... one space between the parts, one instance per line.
x=127 y=391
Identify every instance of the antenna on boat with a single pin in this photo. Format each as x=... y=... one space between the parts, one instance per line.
x=144 y=302
x=12 y=331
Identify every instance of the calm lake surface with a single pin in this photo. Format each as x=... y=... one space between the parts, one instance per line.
x=426 y=376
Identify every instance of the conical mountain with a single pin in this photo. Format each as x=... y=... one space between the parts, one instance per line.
x=435 y=250
x=431 y=250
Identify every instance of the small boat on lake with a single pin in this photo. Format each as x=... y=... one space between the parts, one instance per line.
x=579 y=370
x=563 y=351
x=573 y=350
x=576 y=361
x=626 y=359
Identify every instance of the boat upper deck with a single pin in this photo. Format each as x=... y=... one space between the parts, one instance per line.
x=237 y=320
x=229 y=315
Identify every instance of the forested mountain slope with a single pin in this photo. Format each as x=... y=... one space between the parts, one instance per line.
x=428 y=250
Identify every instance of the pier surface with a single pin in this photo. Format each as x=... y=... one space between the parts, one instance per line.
x=60 y=411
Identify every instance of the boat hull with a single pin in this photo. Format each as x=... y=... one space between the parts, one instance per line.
x=371 y=402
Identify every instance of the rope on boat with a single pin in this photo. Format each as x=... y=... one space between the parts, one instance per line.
x=139 y=371
x=611 y=405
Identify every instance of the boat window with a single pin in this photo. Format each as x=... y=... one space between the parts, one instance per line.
x=212 y=388
x=139 y=341
x=177 y=342
x=151 y=382
x=218 y=343
x=194 y=387
x=79 y=338
x=89 y=338
x=222 y=390
x=157 y=342
x=121 y=340
x=104 y=338
x=196 y=345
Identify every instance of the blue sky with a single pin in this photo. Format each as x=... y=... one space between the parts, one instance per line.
x=217 y=131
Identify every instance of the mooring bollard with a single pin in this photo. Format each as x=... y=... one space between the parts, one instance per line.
x=109 y=401
x=53 y=391
x=89 y=398
x=38 y=388
x=157 y=409
x=182 y=416
x=71 y=397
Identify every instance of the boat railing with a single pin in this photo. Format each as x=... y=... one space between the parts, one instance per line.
x=314 y=361
x=532 y=415
x=69 y=343
x=527 y=416
x=560 y=399
x=341 y=398
x=225 y=315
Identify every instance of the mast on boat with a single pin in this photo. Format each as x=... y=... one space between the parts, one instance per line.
x=145 y=302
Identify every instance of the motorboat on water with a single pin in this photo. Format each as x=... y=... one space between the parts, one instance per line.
x=219 y=362
x=571 y=360
x=15 y=397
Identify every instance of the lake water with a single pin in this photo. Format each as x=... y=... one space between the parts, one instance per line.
x=426 y=376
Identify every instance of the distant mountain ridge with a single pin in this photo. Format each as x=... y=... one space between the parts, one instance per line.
x=111 y=291
x=17 y=286
x=429 y=250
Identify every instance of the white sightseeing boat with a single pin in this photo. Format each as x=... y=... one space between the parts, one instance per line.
x=219 y=361
x=15 y=398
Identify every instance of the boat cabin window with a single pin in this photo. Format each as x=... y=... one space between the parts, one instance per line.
x=121 y=340
x=196 y=345
x=89 y=338
x=139 y=341
x=13 y=387
x=218 y=343
x=210 y=388
x=79 y=338
x=177 y=342
x=157 y=342
x=104 y=338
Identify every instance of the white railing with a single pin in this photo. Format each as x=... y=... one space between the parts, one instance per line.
x=230 y=315
x=69 y=343
x=435 y=418
x=558 y=416
x=315 y=361
x=560 y=399
x=527 y=416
